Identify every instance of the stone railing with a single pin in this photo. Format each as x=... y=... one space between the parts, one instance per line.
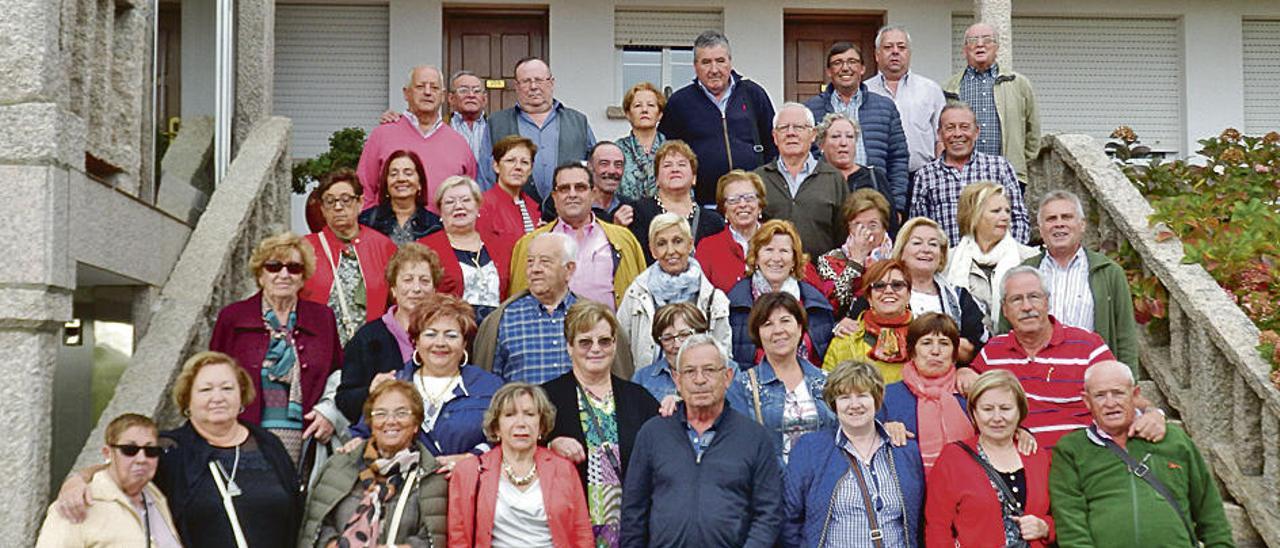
x=1205 y=365
x=251 y=203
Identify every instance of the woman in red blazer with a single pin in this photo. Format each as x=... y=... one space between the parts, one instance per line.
x=963 y=507
x=496 y=498
x=476 y=267
x=501 y=221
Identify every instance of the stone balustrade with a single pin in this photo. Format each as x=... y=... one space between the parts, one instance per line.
x=1205 y=363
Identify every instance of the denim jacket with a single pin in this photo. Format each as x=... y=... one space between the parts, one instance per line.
x=773 y=395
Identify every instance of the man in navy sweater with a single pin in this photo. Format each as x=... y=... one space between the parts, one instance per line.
x=722 y=116
x=705 y=476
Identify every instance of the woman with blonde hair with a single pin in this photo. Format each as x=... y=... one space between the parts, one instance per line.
x=987 y=248
x=473 y=266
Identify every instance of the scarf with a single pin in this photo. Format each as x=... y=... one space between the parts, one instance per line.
x=890 y=334
x=940 y=419
x=1005 y=255
x=674 y=288
x=398 y=333
x=282 y=384
x=760 y=286
x=380 y=479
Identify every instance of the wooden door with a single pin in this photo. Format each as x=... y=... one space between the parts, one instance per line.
x=806 y=37
x=488 y=42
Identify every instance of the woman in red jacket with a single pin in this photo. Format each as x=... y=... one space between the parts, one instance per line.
x=518 y=493
x=982 y=492
x=473 y=267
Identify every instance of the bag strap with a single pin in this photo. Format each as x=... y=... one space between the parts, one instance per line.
x=1010 y=501
x=877 y=534
x=1143 y=471
x=755 y=394
x=328 y=255
x=228 y=506
x=595 y=419
x=402 y=501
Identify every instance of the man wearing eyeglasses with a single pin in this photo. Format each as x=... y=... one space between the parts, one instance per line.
x=562 y=134
x=881 y=142
x=800 y=188
x=468 y=100
x=1003 y=100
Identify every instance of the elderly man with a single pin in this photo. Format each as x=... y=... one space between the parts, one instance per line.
x=881 y=142
x=937 y=186
x=1002 y=99
x=1111 y=489
x=726 y=491
x=421 y=129
x=562 y=134
x=467 y=101
x=1050 y=358
x=722 y=116
x=1089 y=290
x=608 y=257
x=606 y=163
x=802 y=189
x=919 y=99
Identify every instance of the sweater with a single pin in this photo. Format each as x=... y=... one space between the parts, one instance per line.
x=374 y=251
x=817 y=209
x=372 y=350
x=111 y=521
x=451 y=280
x=882 y=137
x=1019 y=117
x=443 y=153
x=486 y=342
x=628 y=259
x=963 y=506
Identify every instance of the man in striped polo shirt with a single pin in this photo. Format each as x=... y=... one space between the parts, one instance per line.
x=1050 y=359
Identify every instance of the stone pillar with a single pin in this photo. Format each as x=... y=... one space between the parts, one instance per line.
x=998 y=14
x=41 y=148
x=255 y=66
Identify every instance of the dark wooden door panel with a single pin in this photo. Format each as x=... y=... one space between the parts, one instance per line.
x=488 y=42
x=806 y=38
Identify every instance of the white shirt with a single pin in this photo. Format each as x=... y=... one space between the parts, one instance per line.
x=1070 y=297
x=520 y=519
x=920 y=101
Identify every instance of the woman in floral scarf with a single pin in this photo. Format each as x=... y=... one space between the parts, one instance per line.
x=881 y=334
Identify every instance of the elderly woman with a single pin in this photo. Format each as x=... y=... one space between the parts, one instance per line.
x=518 y=494
x=866 y=214
x=215 y=457
x=351 y=259
x=776 y=262
x=384 y=345
x=987 y=249
x=127 y=510
x=677 y=175
x=784 y=392
x=675 y=277
x=287 y=345
x=880 y=334
x=401 y=214
x=983 y=491
x=672 y=325
x=643 y=104
x=473 y=267
x=838 y=140
x=842 y=485
x=740 y=196
x=507 y=212
x=386 y=491
x=597 y=415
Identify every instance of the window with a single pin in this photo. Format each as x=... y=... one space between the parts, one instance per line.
x=667 y=68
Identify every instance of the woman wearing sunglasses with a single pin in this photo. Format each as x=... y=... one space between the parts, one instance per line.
x=880 y=336
x=286 y=344
x=127 y=509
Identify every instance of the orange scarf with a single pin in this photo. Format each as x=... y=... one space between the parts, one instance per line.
x=890 y=334
x=939 y=418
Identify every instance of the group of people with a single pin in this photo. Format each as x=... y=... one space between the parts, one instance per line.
x=505 y=333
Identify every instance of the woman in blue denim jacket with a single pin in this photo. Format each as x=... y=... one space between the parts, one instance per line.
x=784 y=392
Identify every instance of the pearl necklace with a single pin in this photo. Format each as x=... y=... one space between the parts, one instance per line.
x=519 y=481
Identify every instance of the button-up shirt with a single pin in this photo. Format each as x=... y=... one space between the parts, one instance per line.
x=977 y=88
x=547 y=138
x=656 y=378
x=920 y=101
x=849 y=524
x=593 y=277
x=723 y=101
x=850 y=109
x=794 y=182
x=477 y=136
x=1070 y=298
x=700 y=442
x=937 y=186
x=531 y=343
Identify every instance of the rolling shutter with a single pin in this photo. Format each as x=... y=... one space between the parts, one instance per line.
x=663 y=28
x=331 y=70
x=1092 y=74
x=1261 y=76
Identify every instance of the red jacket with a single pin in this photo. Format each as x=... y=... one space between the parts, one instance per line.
x=374 y=250
x=499 y=221
x=241 y=334
x=962 y=506
x=724 y=264
x=451 y=282
x=471 y=520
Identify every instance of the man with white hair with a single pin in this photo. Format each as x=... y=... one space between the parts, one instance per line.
x=919 y=99
x=1112 y=489
x=800 y=188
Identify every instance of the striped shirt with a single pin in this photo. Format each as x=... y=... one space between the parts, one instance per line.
x=531 y=345
x=1052 y=379
x=978 y=90
x=849 y=526
x=1070 y=297
x=937 y=186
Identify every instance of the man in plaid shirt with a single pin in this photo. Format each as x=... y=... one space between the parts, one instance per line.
x=936 y=189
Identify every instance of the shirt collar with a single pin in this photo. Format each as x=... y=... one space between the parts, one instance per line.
x=810 y=163
x=587 y=229
x=413 y=120
x=993 y=72
x=843 y=442
x=728 y=92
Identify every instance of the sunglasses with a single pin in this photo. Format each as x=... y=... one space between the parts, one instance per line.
x=896 y=285
x=275 y=266
x=150 y=451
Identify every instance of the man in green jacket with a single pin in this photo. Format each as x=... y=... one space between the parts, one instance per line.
x=1098 y=500
x=1086 y=289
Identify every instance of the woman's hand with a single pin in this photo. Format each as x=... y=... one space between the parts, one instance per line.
x=1033 y=527
x=898 y=433
x=448 y=462
x=349 y=446
x=624 y=215
x=668 y=405
x=320 y=427
x=858 y=245
x=846 y=326
x=568 y=448
x=964 y=378
x=381 y=378
x=74 y=497
x=1026 y=441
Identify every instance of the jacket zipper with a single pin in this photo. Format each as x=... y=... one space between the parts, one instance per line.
x=724 y=124
x=1133 y=495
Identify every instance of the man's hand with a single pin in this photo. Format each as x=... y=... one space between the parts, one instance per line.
x=964 y=378
x=1150 y=426
x=668 y=405
x=389 y=117
x=568 y=448
x=320 y=427
x=898 y=433
x=624 y=215
x=1026 y=441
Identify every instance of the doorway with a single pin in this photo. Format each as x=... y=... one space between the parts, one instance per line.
x=807 y=36
x=488 y=42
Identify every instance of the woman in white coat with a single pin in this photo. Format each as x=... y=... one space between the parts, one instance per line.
x=987 y=250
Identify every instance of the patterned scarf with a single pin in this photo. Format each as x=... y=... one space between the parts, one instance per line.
x=890 y=335
x=674 y=288
x=381 y=479
x=281 y=383
x=940 y=419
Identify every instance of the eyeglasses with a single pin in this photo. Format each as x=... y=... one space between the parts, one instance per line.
x=741 y=199
x=704 y=372
x=530 y=82
x=842 y=63
x=679 y=337
x=1033 y=298
x=896 y=285
x=584 y=344
x=788 y=128
x=275 y=266
x=446 y=204
x=449 y=335
x=150 y=451
x=979 y=40
x=347 y=200
x=476 y=90
x=579 y=187
x=379 y=415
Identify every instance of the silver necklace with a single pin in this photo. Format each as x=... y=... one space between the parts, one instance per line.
x=233 y=490
x=519 y=481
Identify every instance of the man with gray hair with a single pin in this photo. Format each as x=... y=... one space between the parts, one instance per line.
x=722 y=116
x=1088 y=290
x=730 y=466
x=421 y=129
x=468 y=100
x=919 y=99
x=801 y=189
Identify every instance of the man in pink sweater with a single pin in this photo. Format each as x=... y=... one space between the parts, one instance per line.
x=420 y=128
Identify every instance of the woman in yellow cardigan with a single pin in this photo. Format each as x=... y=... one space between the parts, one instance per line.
x=881 y=333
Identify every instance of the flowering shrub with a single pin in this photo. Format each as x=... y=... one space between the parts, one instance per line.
x=1227 y=215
